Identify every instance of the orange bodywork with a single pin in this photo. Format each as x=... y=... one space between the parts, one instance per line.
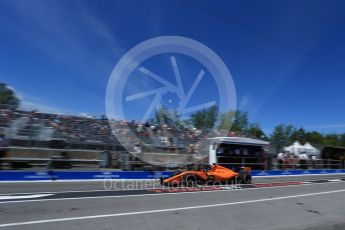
x=216 y=172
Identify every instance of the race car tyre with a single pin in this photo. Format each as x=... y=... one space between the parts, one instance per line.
x=217 y=183
x=190 y=180
x=244 y=178
x=247 y=179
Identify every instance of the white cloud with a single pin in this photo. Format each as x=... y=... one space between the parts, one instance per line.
x=10 y=87
x=31 y=102
x=27 y=105
x=244 y=102
x=17 y=94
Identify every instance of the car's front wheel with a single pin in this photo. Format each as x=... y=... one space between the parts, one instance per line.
x=189 y=180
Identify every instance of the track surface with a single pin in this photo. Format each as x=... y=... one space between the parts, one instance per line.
x=318 y=204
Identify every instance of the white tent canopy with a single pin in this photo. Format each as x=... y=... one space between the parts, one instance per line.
x=288 y=149
x=311 y=150
x=297 y=148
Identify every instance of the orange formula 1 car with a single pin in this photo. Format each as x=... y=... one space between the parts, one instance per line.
x=216 y=174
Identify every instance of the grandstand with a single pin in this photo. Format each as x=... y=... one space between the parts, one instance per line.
x=34 y=134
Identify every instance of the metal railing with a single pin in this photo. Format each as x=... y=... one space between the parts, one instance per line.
x=124 y=160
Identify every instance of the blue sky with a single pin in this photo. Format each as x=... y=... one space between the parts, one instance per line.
x=287 y=58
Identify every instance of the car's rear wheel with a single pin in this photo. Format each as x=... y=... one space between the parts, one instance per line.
x=244 y=178
x=247 y=179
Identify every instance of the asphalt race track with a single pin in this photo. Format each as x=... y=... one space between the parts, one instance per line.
x=303 y=202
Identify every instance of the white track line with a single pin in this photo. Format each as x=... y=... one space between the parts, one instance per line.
x=158 y=194
x=30 y=196
x=165 y=210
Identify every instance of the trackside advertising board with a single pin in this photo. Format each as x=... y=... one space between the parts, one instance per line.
x=93 y=175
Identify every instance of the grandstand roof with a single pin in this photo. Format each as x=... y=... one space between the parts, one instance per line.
x=240 y=141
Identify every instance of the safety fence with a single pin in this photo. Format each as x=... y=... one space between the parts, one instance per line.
x=76 y=159
x=268 y=163
x=24 y=157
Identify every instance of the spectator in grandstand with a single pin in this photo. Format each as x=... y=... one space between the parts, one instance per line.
x=138 y=148
x=314 y=160
x=291 y=160
x=3 y=148
x=191 y=149
x=280 y=160
x=303 y=160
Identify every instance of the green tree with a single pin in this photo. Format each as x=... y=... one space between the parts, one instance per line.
x=342 y=140
x=314 y=137
x=162 y=116
x=8 y=98
x=237 y=121
x=282 y=136
x=240 y=123
x=298 y=135
x=205 y=119
x=331 y=140
x=255 y=130
x=226 y=120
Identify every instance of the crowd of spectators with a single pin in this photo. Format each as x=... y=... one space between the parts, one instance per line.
x=287 y=160
x=85 y=128
x=71 y=128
